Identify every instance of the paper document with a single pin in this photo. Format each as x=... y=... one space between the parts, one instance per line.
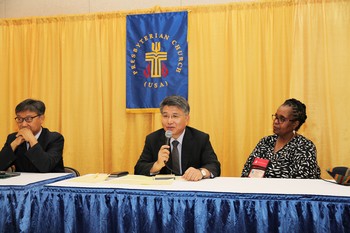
x=140 y=180
x=90 y=178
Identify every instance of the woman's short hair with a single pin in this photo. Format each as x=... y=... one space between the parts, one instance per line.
x=299 y=111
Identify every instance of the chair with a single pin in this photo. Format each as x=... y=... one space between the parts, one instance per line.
x=71 y=170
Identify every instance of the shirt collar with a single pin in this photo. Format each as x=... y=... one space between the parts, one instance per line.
x=180 y=138
x=38 y=134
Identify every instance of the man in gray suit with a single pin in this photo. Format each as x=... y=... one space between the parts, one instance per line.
x=196 y=157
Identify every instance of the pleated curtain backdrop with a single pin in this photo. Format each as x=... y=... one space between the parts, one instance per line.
x=245 y=59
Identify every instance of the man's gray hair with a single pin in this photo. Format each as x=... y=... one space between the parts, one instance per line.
x=175 y=100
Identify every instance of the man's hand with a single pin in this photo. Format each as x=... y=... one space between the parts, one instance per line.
x=192 y=174
x=18 y=141
x=163 y=157
x=26 y=135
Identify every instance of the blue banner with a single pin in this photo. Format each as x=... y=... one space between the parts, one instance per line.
x=156 y=59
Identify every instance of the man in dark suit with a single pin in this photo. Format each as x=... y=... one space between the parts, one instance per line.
x=33 y=148
x=197 y=159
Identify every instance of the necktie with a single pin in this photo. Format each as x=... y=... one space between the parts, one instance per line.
x=175 y=158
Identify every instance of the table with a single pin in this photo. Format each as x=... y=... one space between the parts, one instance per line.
x=19 y=199
x=223 y=204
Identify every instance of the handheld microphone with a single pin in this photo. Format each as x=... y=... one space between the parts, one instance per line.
x=168 y=135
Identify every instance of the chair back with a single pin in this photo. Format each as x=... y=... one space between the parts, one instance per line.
x=71 y=170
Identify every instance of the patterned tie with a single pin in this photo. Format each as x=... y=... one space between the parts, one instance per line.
x=175 y=158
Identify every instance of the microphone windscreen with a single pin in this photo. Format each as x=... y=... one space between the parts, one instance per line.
x=341 y=175
x=168 y=134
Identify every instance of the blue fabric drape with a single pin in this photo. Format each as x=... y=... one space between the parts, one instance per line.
x=53 y=209
x=20 y=206
x=115 y=210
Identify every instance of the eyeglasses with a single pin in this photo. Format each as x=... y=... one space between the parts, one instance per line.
x=280 y=119
x=174 y=117
x=27 y=119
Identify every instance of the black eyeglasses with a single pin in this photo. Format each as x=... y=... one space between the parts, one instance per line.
x=27 y=119
x=280 y=119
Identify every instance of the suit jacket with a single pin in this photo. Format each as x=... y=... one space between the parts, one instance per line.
x=196 y=149
x=45 y=156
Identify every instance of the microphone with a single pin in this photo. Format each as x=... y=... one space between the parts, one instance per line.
x=168 y=135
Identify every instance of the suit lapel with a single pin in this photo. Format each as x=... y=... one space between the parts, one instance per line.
x=42 y=138
x=186 y=150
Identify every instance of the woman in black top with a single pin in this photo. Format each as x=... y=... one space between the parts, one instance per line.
x=288 y=154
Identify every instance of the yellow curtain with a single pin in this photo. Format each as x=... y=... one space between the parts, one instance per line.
x=245 y=59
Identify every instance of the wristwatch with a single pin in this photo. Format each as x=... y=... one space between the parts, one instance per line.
x=204 y=173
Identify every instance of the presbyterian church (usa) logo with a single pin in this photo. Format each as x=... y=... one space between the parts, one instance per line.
x=154 y=58
x=156 y=68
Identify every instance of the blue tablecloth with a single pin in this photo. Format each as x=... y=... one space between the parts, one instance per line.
x=20 y=204
x=237 y=205
x=66 y=209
